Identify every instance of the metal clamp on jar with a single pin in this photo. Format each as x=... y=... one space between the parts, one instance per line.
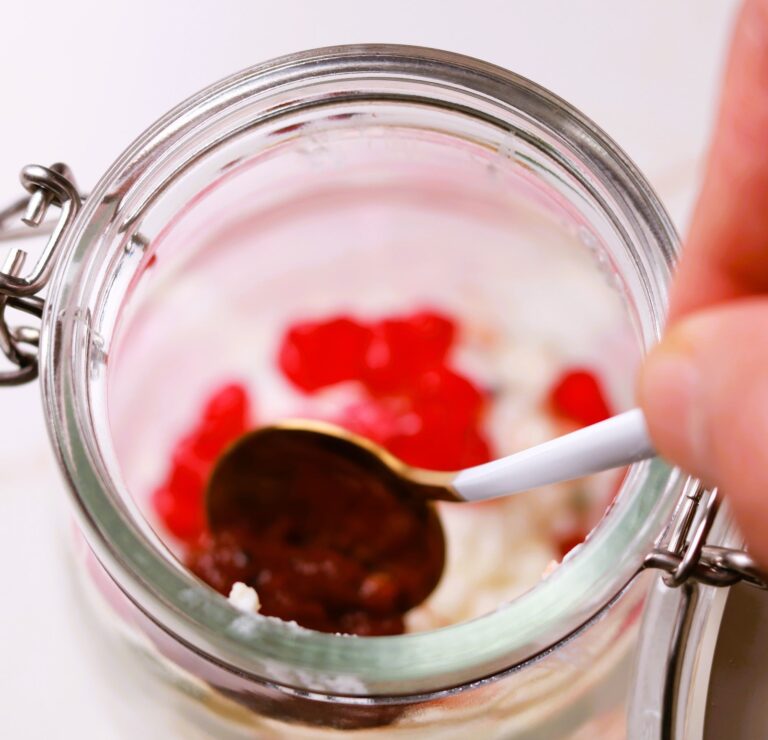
x=557 y=658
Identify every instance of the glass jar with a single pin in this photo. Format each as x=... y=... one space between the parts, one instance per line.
x=333 y=147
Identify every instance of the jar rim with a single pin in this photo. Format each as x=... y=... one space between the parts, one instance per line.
x=267 y=649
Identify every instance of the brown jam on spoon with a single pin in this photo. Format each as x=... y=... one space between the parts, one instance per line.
x=326 y=538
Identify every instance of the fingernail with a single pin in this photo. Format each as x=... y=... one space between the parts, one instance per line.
x=668 y=395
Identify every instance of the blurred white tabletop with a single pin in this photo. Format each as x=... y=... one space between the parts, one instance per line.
x=81 y=79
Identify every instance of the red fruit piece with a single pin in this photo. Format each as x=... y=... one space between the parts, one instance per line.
x=441 y=443
x=182 y=518
x=445 y=435
x=577 y=395
x=229 y=406
x=225 y=417
x=178 y=502
x=188 y=472
x=316 y=354
x=402 y=348
x=435 y=426
x=447 y=390
x=378 y=419
x=447 y=407
x=475 y=450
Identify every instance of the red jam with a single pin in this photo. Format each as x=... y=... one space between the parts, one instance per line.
x=340 y=569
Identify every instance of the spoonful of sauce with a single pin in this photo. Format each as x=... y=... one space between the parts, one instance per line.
x=340 y=508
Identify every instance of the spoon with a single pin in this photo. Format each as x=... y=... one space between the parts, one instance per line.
x=338 y=526
x=267 y=455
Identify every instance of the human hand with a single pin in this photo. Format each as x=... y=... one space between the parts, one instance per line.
x=704 y=388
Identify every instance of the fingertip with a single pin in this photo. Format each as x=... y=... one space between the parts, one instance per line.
x=704 y=391
x=668 y=389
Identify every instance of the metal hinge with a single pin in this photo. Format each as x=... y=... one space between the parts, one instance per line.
x=687 y=557
x=47 y=186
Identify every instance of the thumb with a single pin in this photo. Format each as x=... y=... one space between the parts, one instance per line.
x=704 y=390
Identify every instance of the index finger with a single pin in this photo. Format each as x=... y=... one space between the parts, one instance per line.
x=726 y=254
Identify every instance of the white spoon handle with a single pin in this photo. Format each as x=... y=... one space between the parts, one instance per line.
x=617 y=441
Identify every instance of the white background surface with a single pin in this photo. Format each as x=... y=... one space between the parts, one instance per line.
x=81 y=79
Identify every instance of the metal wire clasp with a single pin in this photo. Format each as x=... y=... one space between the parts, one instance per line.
x=47 y=186
x=688 y=557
